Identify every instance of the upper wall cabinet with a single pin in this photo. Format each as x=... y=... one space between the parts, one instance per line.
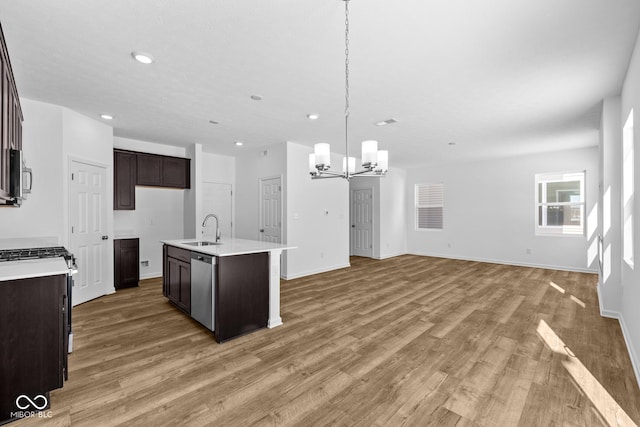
x=10 y=118
x=132 y=168
x=163 y=171
x=124 y=180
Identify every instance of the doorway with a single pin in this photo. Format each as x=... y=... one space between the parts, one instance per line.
x=89 y=239
x=271 y=210
x=361 y=238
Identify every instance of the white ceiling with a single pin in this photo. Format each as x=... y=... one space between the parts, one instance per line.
x=497 y=77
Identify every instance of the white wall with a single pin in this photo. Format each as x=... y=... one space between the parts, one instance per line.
x=218 y=168
x=159 y=215
x=609 y=288
x=630 y=296
x=87 y=140
x=193 y=197
x=392 y=211
x=254 y=165
x=148 y=147
x=42 y=214
x=489 y=211
x=389 y=212
x=317 y=217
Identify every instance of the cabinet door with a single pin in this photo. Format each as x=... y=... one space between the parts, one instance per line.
x=124 y=180
x=179 y=283
x=15 y=120
x=149 y=169
x=173 y=280
x=185 y=286
x=4 y=134
x=242 y=295
x=126 y=257
x=175 y=172
x=32 y=335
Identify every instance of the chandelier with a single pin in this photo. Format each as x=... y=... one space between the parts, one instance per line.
x=374 y=162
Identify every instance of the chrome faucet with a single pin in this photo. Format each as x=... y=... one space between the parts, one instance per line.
x=204 y=223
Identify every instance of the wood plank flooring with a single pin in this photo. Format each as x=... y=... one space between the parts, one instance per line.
x=406 y=341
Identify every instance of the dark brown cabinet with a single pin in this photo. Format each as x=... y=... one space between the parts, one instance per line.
x=240 y=287
x=149 y=170
x=132 y=168
x=126 y=255
x=33 y=354
x=10 y=119
x=177 y=277
x=176 y=172
x=242 y=295
x=163 y=171
x=124 y=183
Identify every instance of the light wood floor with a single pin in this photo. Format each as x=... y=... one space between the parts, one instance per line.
x=406 y=341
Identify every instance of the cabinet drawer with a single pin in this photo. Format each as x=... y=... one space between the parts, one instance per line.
x=181 y=254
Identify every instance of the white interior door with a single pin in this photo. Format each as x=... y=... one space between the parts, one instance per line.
x=362 y=222
x=270 y=210
x=88 y=226
x=216 y=199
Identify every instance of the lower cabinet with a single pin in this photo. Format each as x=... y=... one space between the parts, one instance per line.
x=177 y=277
x=242 y=295
x=241 y=290
x=33 y=350
x=126 y=256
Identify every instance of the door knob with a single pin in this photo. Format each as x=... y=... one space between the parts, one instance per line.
x=262 y=230
x=105 y=237
x=353 y=226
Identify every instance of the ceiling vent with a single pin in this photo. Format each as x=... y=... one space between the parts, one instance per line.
x=386 y=122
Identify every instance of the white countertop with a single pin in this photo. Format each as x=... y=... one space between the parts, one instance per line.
x=13 y=270
x=229 y=246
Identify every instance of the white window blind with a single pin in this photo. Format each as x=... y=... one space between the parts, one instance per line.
x=429 y=206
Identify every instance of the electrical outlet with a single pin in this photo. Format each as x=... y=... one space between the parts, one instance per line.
x=528 y=251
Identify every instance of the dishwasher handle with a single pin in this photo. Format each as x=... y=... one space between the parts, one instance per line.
x=197 y=256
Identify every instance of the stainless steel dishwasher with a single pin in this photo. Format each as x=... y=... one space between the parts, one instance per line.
x=202 y=288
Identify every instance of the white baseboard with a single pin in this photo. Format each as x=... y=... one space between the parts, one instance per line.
x=150 y=275
x=312 y=272
x=503 y=262
x=393 y=255
x=635 y=362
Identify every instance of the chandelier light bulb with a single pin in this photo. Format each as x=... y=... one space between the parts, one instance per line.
x=382 y=161
x=352 y=164
x=322 y=153
x=369 y=152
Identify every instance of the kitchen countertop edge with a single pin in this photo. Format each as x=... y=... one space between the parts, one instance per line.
x=27 y=269
x=229 y=247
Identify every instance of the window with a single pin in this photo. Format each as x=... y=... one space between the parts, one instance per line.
x=429 y=206
x=627 y=190
x=560 y=203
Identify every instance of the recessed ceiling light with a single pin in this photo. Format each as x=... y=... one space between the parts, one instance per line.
x=256 y=97
x=313 y=116
x=106 y=116
x=142 y=57
x=386 y=122
x=239 y=143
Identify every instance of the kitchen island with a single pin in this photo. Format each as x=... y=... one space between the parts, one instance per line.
x=232 y=287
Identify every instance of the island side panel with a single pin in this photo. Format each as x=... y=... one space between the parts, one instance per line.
x=274 y=289
x=242 y=295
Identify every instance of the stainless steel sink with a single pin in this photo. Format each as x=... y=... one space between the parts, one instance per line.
x=203 y=243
